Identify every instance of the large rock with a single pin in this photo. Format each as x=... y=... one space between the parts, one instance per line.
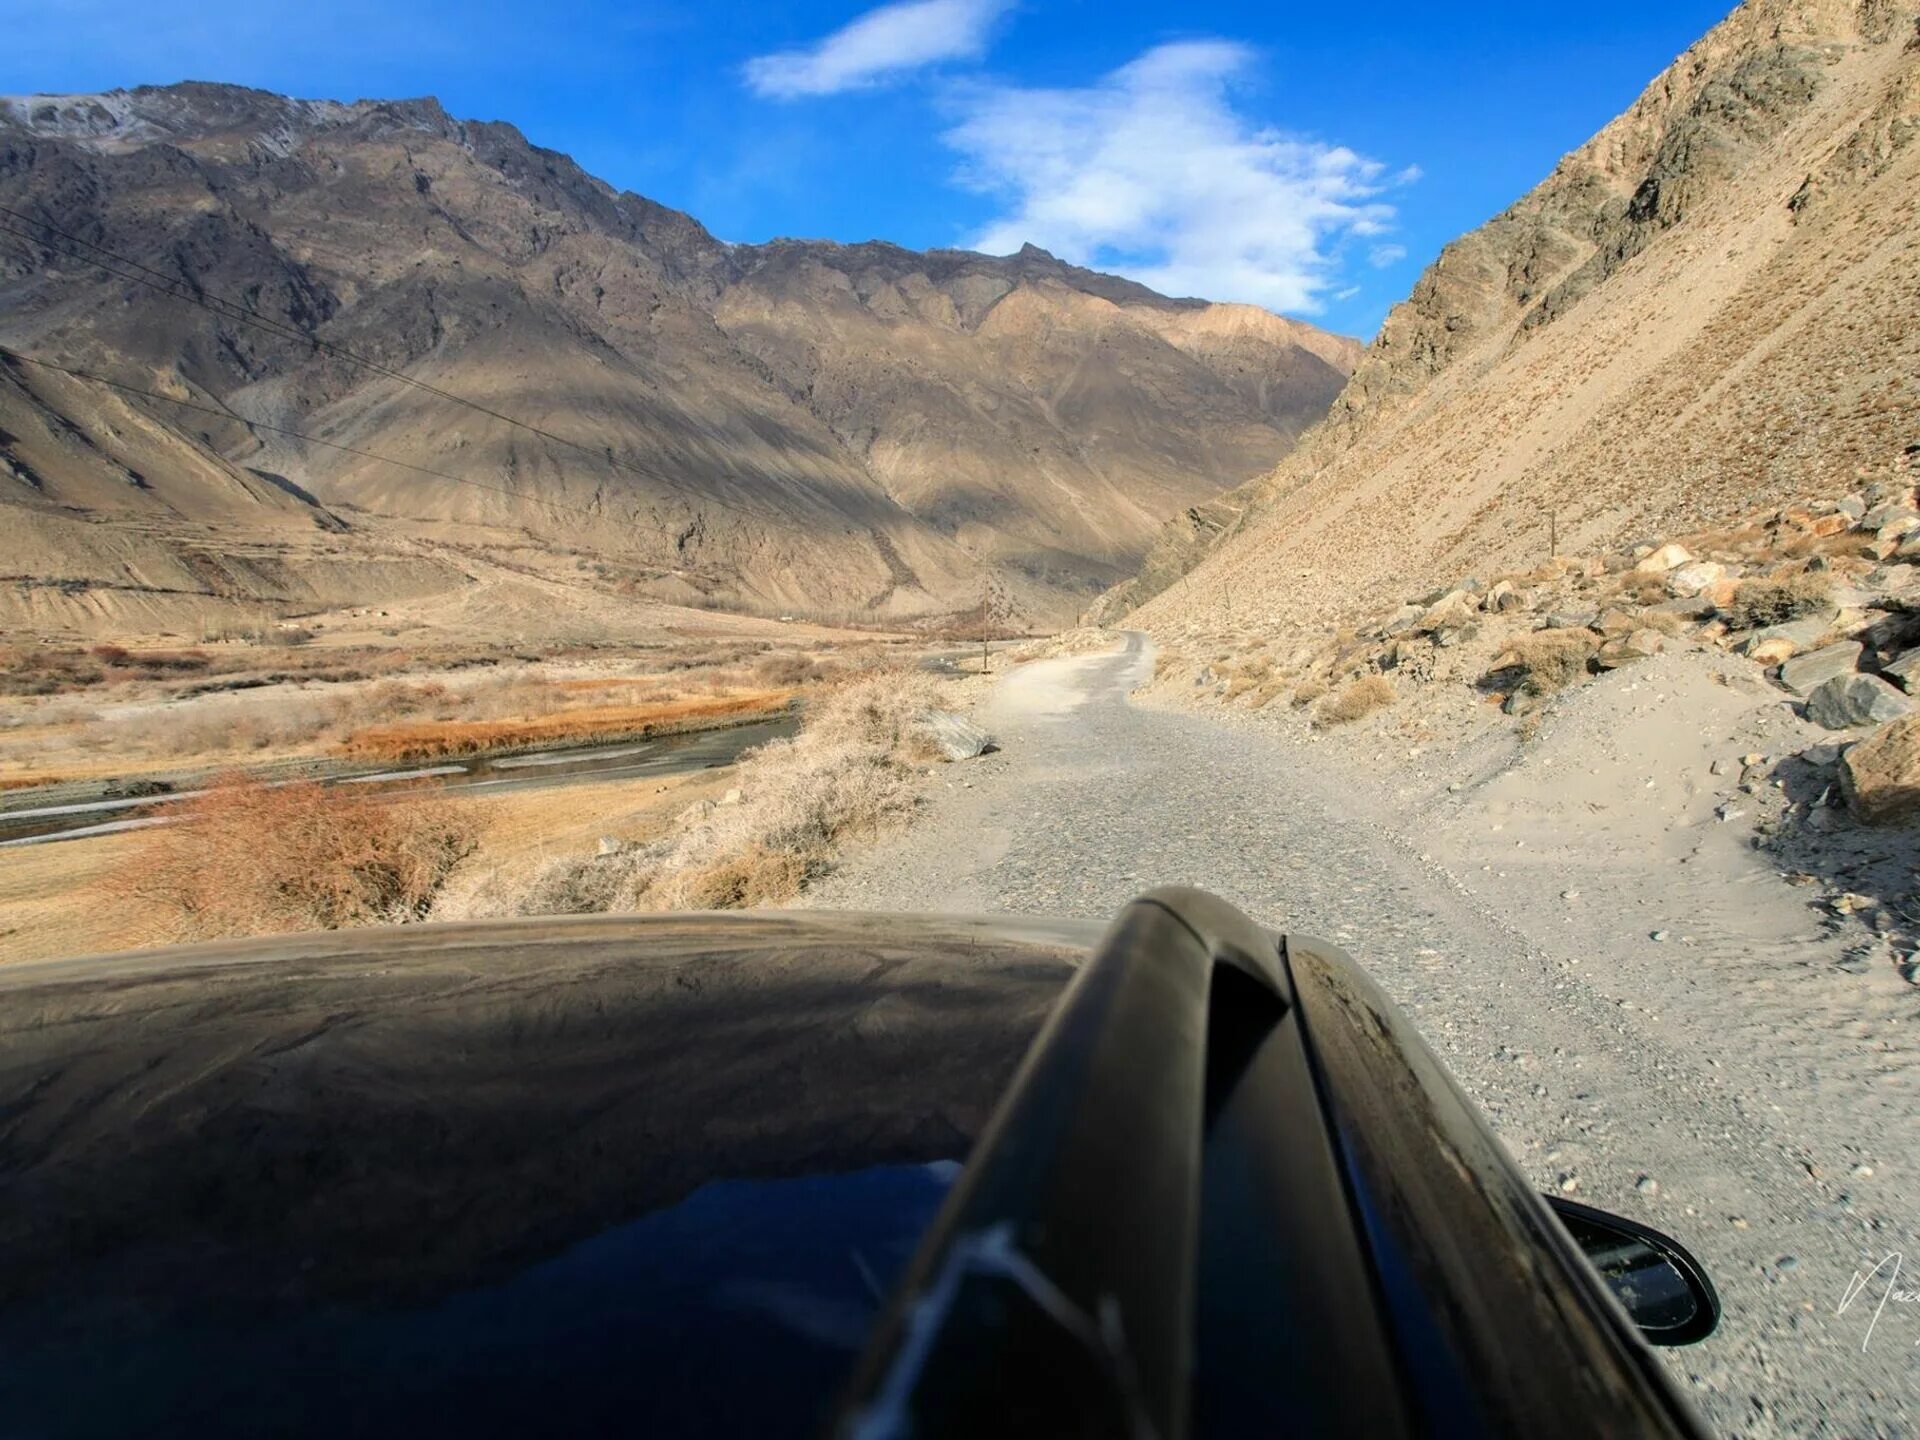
x=1881 y=775
x=1804 y=633
x=1450 y=612
x=1898 y=528
x=1883 y=515
x=1695 y=578
x=1402 y=620
x=1667 y=557
x=1804 y=674
x=1625 y=649
x=1904 y=672
x=1770 y=652
x=1849 y=701
x=1504 y=597
x=957 y=737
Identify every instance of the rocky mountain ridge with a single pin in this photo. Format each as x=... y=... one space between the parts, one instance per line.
x=797 y=425
x=1707 y=307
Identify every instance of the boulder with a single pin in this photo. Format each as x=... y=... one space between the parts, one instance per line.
x=1825 y=525
x=1451 y=611
x=1503 y=597
x=1852 y=506
x=1849 y=701
x=1568 y=620
x=1804 y=674
x=1883 y=515
x=1403 y=620
x=1667 y=557
x=1695 y=578
x=1903 y=671
x=1615 y=621
x=1880 y=776
x=1771 y=651
x=1804 y=634
x=1625 y=649
x=1897 y=528
x=957 y=737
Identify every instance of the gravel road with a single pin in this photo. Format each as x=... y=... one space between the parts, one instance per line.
x=1633 y=1082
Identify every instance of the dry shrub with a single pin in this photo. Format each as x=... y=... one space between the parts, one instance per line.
x=433 y=739
x=1549 y=660
x=1249 y=676
x=1641 y=588
x=1664 y=621
x=254 y=859
x=1267 y=691
x=785 y=670
x=1357 y=700
x=1308 y=691
x=848 y=773
x=1772 y=602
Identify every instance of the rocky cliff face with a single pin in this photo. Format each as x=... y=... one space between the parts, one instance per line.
x=799 y=425
x=1702 y=310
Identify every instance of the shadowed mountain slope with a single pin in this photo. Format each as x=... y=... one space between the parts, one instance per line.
x=797 y=425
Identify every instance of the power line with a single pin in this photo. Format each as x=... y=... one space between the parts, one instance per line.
x=223 y=414
x=245 y=314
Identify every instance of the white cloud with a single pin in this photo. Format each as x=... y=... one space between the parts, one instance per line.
x=880 y=45
x=1153 y=173
x=1381 y=256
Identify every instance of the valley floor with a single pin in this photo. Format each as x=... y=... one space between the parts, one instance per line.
x=1653 y=1018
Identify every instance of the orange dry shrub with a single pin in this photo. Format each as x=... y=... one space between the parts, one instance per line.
x=254 y=859
x=432 y=739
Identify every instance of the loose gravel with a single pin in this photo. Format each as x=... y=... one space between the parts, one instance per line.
x=1606 y=1069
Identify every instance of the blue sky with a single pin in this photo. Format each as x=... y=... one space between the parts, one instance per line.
x=1309 y=158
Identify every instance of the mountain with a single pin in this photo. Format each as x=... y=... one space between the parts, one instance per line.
x=798 y=425
x=1712 y=306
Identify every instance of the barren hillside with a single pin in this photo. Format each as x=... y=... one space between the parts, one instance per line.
x=801 y=425
x=1712 y=306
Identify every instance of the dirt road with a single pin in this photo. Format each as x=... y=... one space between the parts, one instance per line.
x=1760 y=1109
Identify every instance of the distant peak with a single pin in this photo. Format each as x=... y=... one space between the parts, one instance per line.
x=1031 y=251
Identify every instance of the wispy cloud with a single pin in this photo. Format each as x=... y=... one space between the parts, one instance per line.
x=1381 y=256
x=1152 y=172
x=881 y=45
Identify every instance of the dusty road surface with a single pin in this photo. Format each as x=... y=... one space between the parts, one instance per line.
x=1761 y=1109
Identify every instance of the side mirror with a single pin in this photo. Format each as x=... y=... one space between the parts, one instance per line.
x=1659 y=1284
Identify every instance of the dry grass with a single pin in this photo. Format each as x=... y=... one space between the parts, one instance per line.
x=429 y=740
x=849 y=773
x=1355 y=701
x=1308 y=691
x=1663 y=621
x=253 y=859
x=1548 y=660
x=1640 y=589
x=1772 y=602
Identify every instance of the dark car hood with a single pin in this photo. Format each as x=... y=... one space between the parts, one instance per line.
x=252 y=1183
